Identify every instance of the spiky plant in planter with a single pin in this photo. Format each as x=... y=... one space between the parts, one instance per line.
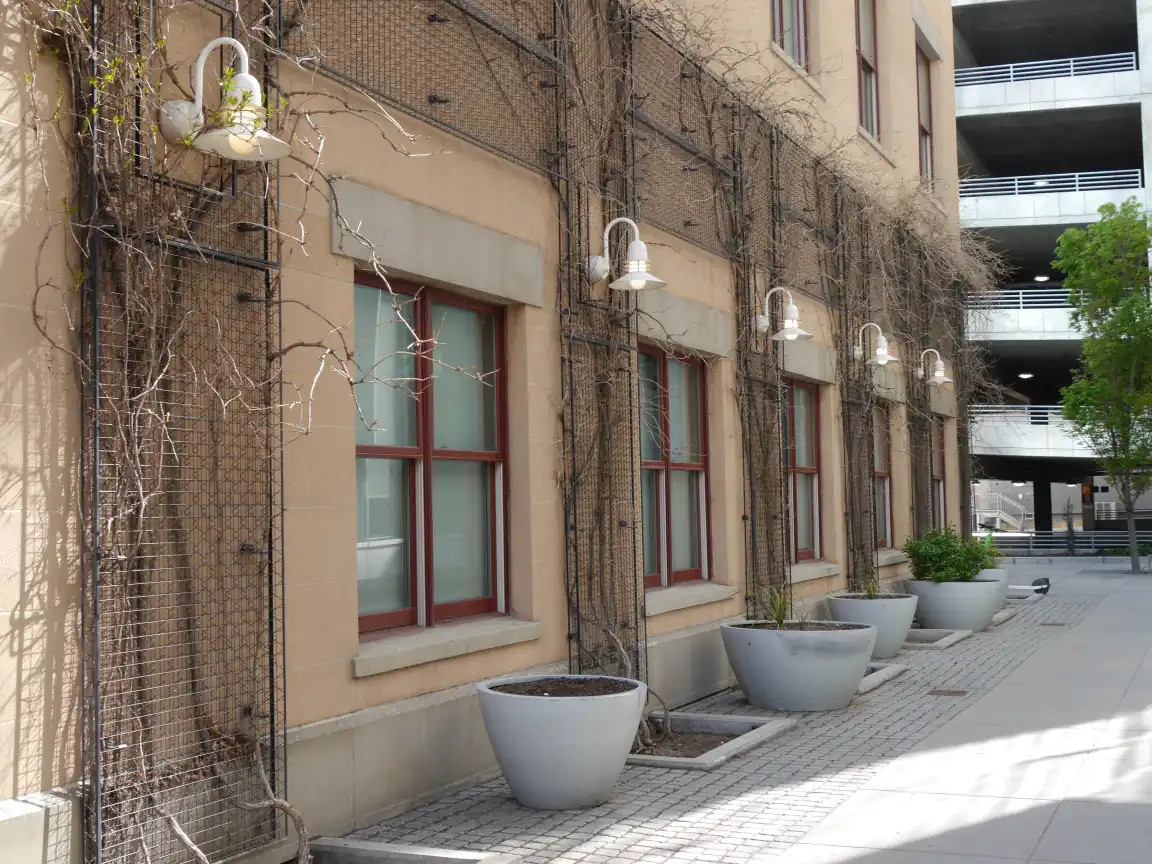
x=946 y=571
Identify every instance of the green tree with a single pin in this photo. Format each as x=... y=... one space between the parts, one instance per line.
x=1109 y=402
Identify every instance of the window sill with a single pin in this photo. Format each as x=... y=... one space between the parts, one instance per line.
x=876 y=145
x=412 y=647
x=809 y=570
x=804 y=74
x=888 y=557
x=659 y=601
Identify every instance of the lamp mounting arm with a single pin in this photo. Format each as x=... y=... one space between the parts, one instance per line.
x=198 y=75
x=928 y=351
x=860 y=335
x=768 y=296
x=619 y=220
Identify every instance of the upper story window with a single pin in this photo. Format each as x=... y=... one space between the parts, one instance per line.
x=866 y=53
x=430 y=456
x=882 y=475
x=939 y=513
x=790 y=28
x=673 y=468
x=803 y=463
x=924 y=112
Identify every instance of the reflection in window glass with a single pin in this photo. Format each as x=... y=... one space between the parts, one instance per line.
x=805 y=501
x=650 y=513
x=464 y=403
x=382 y=565
x=386 y=367
x=650 y=448
x=461 y=533
x=684 y=412
x=685 y=516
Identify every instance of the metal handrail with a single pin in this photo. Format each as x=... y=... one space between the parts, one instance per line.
x=1024 y=298
x=1040 y=184
x=1115 y=510
x=1078 y=542
x=1067 y=68
x=1036 y=415
x=998 y=501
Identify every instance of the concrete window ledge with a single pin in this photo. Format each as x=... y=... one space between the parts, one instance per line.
x=661 y=600
x=804 y=74
x=876 y=145
x=809 y=570
x=887 y=557
x=414 y=647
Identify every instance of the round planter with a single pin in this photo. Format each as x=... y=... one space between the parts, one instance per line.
x=956 y=605
x=799 y=670
x=561 y=753
x=890 y=614
x=1002 y=577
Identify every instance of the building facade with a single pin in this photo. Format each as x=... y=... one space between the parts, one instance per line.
x=1034 y=81
x=395 y=440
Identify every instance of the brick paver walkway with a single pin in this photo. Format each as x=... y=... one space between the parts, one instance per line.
x=756 y=807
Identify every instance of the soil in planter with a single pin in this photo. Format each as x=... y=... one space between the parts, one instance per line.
x=803 y=625
x=687 y=745
x=563 y=687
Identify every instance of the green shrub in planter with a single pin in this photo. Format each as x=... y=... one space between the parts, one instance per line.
x=942 y=555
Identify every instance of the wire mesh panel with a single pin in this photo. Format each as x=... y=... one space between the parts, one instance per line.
x=485 y=70
x=183 y=684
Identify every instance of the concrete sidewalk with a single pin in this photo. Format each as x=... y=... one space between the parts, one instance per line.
x=1038 y=749
x=1054 y=764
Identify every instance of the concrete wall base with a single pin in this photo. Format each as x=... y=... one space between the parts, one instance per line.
x=43 y=828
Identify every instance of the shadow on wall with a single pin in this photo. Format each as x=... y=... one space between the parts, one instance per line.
x=39 y=425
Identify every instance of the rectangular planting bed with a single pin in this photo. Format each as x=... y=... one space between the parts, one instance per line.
x=725 y=737
x=352 y=850
x=934 y=640
x=880 y=673
x=1005 y=614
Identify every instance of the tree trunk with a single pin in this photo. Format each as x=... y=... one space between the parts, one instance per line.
x=1133 y=546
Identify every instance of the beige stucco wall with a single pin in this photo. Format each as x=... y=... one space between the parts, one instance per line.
x=359 y=742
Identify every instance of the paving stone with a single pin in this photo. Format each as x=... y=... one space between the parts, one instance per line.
x=756 y=807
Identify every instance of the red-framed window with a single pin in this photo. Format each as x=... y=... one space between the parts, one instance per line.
x=802 y=454
x=882 y=475
x=867 y=52
x=430 y=456
x=673 y=467
x=939 y=502
x=790 y=28
x=924 y=112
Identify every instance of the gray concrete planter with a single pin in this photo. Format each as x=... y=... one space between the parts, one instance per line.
x=561 y=753
x=890 y=614
x=799 y=670
x=1002 y=577
x=956 y=605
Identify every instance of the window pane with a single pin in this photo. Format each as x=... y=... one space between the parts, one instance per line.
x=650 y=513
x=803 y=421
x=464 y=402
x=461 y=530
x=937 y=449
x=924 y=90
x=383 y=570
x=685 y=514
x=649 y=366
x=791 y=28
x=385 y=362
x=881 y=505
x=867 y=30
x=881 y=447
x=684 y=426
x=868 y=114
x=805 y=511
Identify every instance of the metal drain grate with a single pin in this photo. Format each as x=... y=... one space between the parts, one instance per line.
x=947 y=692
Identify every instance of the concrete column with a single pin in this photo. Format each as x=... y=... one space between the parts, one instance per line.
x=1042 y=501
x=1144 y=57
